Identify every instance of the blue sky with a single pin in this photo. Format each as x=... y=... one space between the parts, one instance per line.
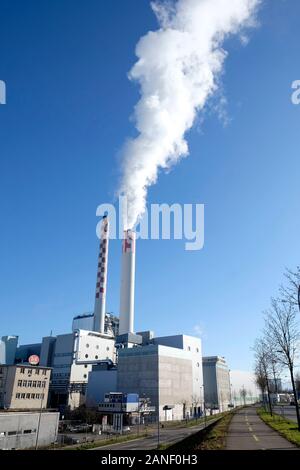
x=69 y=103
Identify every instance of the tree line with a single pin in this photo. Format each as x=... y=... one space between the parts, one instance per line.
x=278 y=347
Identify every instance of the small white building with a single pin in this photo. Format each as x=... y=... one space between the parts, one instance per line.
x=25 y=430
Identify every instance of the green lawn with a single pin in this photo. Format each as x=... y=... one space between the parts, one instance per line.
x=283 y=426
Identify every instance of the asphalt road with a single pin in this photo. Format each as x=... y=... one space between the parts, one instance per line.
x=286 y=411
x=248 y=432
x=167 y=436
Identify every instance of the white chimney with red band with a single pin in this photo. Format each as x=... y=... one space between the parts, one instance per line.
x=127 y=283
x=101 y=283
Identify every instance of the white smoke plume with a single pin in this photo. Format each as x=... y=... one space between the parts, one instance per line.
x=178 y=69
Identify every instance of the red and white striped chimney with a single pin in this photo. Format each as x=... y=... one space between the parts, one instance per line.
x=101 y=283
x=127 y=283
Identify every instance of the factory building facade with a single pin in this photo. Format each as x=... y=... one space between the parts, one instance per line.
x=72 y=358
x=216 y=377
x=170 y=376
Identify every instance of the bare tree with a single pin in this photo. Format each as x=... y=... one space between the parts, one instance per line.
x=262 y=368
x=297 y=382
x=281 y=331
x=260 y=378
x=243 y=395
x=290 y=291
x=195 y=404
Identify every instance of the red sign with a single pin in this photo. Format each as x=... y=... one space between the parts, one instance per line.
x=34 y=360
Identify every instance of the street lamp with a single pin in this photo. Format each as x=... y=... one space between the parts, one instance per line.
x=158 y=435
x=204 y=406
x=40 y=414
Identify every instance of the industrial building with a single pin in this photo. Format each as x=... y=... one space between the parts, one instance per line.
x=27 y=430
x=216 y=378
x=167 y=370
x=8 y=348
x=170 y=376
x=24 y=387
x=103 y=353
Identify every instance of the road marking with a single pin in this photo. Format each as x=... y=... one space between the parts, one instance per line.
x=250 y=429
x=256 y=438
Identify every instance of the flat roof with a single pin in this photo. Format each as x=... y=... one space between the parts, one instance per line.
x=27 y=365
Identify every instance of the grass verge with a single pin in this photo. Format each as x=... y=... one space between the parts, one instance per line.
x=211 y=438
x=215 y=439
x=285 y=427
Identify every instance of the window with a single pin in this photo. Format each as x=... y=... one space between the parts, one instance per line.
x=37 y=371
x=39 y=384
x=96 y=357
x=33 y=396
x=86 y=356
x=97 y=346
x=17 y=395
x=27 y=395
x=23 y=395
x=12 y=433
x=198 y=365
x=85 y=366
x=44 y=372
x=29 y=383
x=22 y=370
x=85 y=376
x=24 y=383
x=87 y=345
x=27 y=431
x=107 y=349
x=197 y=350
x=19 y=383
x=43 y=384
x=34 y=384
x=37 y=396
x=1 y=370
x=29 y=372
x=189 y=348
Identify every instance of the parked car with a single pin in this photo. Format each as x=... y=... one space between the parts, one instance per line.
x=80 y=428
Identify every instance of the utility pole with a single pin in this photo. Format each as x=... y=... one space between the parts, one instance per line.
x=40 y=414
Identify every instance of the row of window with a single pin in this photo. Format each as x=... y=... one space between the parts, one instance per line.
x=30 y=396
x=31 y=383
x=97 y=347
x=37 y=371
x=15 y=433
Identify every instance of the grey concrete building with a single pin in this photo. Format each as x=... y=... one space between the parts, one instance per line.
x=216 y=379
x=24 y=387
x=23 y=430
x=165 y=375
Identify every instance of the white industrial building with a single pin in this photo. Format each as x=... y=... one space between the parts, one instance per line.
x=8 y=348
x=216 y=378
